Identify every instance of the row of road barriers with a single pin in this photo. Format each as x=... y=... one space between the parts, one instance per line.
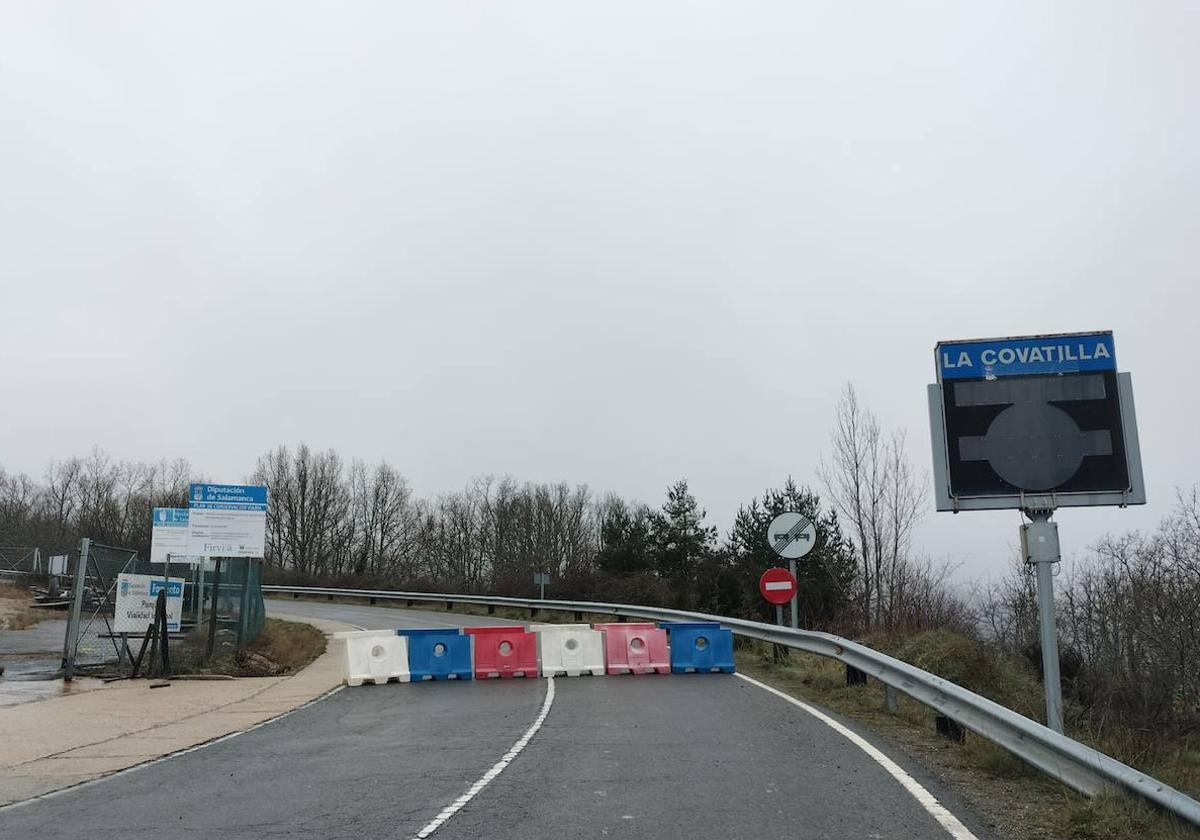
x=1081 y=767
x=549 y=650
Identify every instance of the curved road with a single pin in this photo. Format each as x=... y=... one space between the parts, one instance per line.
x=693 y=756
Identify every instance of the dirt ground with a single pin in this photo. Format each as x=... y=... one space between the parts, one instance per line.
x=15 y=610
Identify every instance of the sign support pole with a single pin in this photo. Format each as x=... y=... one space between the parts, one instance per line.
x=795 y=598
x=1039 y=542
x=212 y=618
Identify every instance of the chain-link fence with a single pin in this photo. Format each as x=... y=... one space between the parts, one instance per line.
x=228 y=589
x=19 y=561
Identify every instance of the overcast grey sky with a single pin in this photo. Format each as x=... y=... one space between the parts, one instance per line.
x=611 y=243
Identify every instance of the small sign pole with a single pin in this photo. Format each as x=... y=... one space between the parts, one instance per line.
x=795 y=598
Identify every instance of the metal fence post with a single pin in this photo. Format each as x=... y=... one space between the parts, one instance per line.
x=71 y=644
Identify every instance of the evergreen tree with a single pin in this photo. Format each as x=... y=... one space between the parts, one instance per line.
x=679 y=539
x=624 y=539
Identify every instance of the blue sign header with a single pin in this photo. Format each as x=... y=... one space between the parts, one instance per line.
x=1042 y=354
x=227 y=497
x=170 y=517
x=174 y=588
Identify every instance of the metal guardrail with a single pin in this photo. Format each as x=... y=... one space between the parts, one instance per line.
x=1078 y=766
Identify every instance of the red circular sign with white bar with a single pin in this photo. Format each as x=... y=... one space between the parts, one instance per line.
x=777 y=585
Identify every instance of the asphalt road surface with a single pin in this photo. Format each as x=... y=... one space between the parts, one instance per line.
x=690 y=756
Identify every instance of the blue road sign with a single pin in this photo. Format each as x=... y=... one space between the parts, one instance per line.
x=1026 y=356
x=227 y=497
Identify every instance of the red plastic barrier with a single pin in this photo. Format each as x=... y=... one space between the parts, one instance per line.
x=504 y=652
x=635 y=648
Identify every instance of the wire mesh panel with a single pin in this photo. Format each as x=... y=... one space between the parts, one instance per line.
x=229 y=589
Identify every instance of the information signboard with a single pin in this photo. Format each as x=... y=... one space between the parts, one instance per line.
x=137 y=596
x=169 y=535
x=227 y=520
x=1033 y=422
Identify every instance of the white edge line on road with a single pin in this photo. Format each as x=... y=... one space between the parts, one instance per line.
x=919 y=792
x=495 y=770
x=135 y=767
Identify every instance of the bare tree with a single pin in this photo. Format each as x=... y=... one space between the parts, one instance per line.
x=871 y=483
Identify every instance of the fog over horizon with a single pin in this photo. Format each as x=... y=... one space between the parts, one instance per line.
x=609 y=245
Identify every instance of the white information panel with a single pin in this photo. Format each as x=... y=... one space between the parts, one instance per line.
x=169 y=535
x=227 y=520
x=136 y=598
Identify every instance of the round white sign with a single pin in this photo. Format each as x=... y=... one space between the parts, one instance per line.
x=791 y=535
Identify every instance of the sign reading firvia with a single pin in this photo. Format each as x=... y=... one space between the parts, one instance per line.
x=227 y=520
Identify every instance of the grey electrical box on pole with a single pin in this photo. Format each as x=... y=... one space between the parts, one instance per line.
x=1035 y=423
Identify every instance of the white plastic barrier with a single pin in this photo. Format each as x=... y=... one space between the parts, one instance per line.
x=375 y=656
x=570 y=649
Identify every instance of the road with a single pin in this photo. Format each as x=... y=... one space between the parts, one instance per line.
x=692 y=756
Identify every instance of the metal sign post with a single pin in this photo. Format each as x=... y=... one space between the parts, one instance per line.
x=792 y=535
x=1035 y=423
x=541 y=579
x=1039 y=545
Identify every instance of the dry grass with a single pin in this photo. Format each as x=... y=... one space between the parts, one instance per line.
x=15 y=612
x=289 y=644
x=283 y=647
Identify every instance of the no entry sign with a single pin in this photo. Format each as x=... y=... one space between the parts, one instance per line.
x=778 y=586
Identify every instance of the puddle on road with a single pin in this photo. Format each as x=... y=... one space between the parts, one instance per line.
x=15 y=692
x=29 y=680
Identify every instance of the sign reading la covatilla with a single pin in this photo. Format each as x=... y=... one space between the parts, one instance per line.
x=1042 y=421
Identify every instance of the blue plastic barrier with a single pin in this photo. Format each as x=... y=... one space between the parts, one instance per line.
x=438 y=654
x=700 y=646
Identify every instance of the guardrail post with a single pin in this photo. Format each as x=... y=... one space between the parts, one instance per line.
x=295 y=596
x=372 y=602
x=533 y=611
x=328 y=597
x=449 y=606
x=578 y=615
x=491 y=609
x=949 y=728
x=891 y=699
x=855 y=676
x=408 y=602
